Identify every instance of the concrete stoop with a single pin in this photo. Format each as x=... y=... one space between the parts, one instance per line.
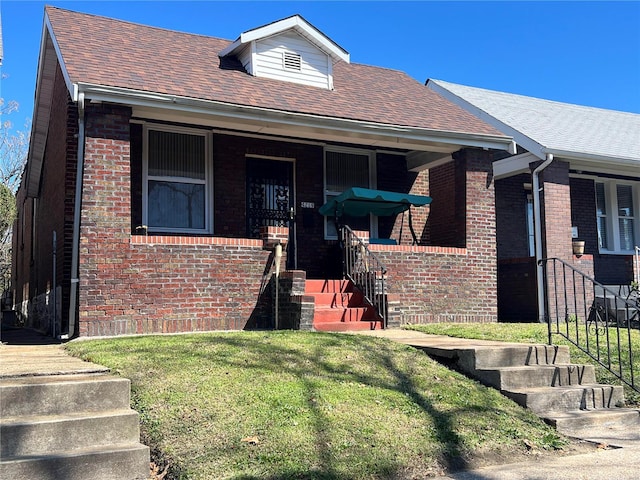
x=69 y=426
x=543 y=379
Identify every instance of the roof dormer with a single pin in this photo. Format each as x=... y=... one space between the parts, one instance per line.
x=290 y=50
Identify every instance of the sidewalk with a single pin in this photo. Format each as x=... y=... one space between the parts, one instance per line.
x=25 y=352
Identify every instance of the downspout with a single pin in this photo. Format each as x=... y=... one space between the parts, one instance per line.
x=537 y=232
x=73 y=296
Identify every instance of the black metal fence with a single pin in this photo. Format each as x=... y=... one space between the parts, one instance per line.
x=365 y=270
x=602 y=321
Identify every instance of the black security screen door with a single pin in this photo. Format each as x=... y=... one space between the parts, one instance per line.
x=270 y=198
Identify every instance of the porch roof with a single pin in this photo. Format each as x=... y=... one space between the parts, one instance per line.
x=358 y=202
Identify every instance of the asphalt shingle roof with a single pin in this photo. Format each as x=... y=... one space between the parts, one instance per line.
x=558 y=126
x=108 y=52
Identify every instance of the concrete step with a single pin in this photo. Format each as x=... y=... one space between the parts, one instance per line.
x=116 y=462
x=619 y=427
x=542 y=400
x=514 y=378
x=42 y=435
x=60 y=394
x=588 y=421
x=486 y=357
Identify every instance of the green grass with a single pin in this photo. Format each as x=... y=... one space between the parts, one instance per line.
x=279 y=405
x=537 y=333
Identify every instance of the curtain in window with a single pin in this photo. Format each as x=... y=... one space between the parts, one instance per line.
x=625 y=216
x=601 y=212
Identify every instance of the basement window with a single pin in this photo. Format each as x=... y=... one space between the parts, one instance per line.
x=292 y=61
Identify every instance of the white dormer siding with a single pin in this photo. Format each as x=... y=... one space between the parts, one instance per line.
x=267 y=58
x=290 y=50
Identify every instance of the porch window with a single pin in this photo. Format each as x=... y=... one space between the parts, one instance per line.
x=176 y=191
x=344 y=169
x=617 y=205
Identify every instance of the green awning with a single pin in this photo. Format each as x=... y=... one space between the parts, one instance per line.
x=358 y=202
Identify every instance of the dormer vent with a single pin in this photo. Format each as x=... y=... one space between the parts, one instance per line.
x=276 y=51
x=292 y=61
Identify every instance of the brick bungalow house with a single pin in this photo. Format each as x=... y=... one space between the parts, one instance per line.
x=158 y=158
x=590 y=190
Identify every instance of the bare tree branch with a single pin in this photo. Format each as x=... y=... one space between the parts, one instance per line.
x=14 y=147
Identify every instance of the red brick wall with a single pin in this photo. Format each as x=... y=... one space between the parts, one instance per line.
x=393 y=176
x=446 y=223
x=436 y=284
x=33 y=247
x=138 y=284
x=556 y=210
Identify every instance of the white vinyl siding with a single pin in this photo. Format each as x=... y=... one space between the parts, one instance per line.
x=617 y=207
x=268 y=61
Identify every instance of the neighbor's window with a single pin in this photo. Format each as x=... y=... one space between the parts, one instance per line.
x=531 y=236
x=616 y=207
x=176 y=189
x=345 y=169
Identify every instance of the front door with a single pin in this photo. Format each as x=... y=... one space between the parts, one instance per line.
x=270 y=199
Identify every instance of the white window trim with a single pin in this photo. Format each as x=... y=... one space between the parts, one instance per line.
x=612 y=217
x=373 y=220
x=207 y=182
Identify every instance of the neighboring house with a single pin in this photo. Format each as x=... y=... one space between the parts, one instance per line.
x=590 y=191
x=157 y=158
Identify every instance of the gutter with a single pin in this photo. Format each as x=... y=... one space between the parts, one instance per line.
x=537 y=222
x=73 y=297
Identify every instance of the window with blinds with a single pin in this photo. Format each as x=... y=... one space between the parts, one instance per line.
x=176 y=181
x=626 y=217
x=344 y=170
x=601 y=214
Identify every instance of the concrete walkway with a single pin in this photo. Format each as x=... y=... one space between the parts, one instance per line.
x=25 y=353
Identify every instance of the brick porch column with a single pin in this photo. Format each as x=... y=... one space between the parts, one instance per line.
x=479 y=207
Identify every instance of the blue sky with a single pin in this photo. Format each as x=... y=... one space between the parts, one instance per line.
x=586 y=53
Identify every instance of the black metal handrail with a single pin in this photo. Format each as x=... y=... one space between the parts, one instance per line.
x=594 y=318
x=365 y=270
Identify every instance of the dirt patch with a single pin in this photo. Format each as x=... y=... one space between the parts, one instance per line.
x=481 y=458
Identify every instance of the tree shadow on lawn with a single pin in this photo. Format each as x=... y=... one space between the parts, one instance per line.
x=264 y=352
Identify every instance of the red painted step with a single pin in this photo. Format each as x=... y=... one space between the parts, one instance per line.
x=347 y=327
x=340 y=307
x=327 y=286
x=339 y=299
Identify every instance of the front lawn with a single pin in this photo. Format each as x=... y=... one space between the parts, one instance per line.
x=279 y=405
